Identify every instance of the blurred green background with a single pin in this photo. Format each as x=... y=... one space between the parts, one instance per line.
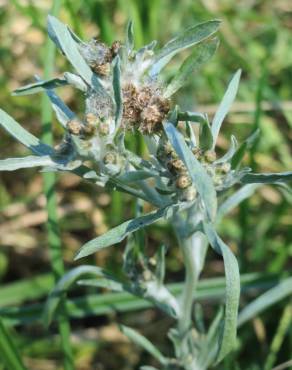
x=256 y=36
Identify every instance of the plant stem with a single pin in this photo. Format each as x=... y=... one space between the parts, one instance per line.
x=193 y=248
x=190 y=283
x=49 y=179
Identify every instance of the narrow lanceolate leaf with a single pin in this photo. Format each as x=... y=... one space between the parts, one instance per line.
x=8 y=351
x=228 y=338
x=192 y=117
x=63 y=113
x=134 y=176
x=130 y=37
x=225 y=105
x=235 y=199
x=245 y=146
x=117 y=91
x=205 y=136
x=199 y=177
x=65 y=283
x=75 y=81
x=230 y=153
x=62 y=37
x=186 y=39
x=267 y=178
x=12 y=164
x=40 y=86
x=104 y=283
x=119 y=233
x=264 y=301
x=209 y=346
x=143 y=342
x=23 y=136
x=202 y=53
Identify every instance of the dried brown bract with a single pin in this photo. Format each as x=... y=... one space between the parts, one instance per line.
x=144 y=108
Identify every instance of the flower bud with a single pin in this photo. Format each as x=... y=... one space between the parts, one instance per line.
x=75 y=127
x=183 y=182
x=225 y=168
x=210 y=156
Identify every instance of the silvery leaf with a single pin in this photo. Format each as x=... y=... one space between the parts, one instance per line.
x=200 y=178
x=40 y=86
x=202 y=53
x=228 y=336
x=68 y=45
x=193 y=117
x=225 y=105
x=118 y=233
x=75 y=81
x=246 y=145
x=267 y=178
x=143 y=342
x=235 y=199
x=230 y=153
x=205 y=136
x=117 y=91
x=130 y=37
x=23 y=136
x=12 y=164
x=186 y=39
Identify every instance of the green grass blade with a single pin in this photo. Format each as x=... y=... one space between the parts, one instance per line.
x=53 y=231
x=283 y=327
x=115 y=302
x=267 y=299
x=8 y=351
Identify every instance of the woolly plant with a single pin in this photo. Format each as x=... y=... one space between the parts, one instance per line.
x=181 y=176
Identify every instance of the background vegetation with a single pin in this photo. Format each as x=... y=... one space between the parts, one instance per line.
x=255 y=36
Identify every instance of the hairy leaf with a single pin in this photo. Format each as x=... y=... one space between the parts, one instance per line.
x=130 y=37
x=205 y=137
x=12 y=164
x=23 y=136
x=235 y=199
x=246 y=145
x=192 y=117
x=199 y=177
x=230 y=153
x=134 y=176
x=228 y=338
x=40 y=86
x=118 y=233
x=267 y=178
x=225 y=105
x=117 y=90
x=143 y=342
x=186 y=39
x=202 y=53
x=62 y=37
